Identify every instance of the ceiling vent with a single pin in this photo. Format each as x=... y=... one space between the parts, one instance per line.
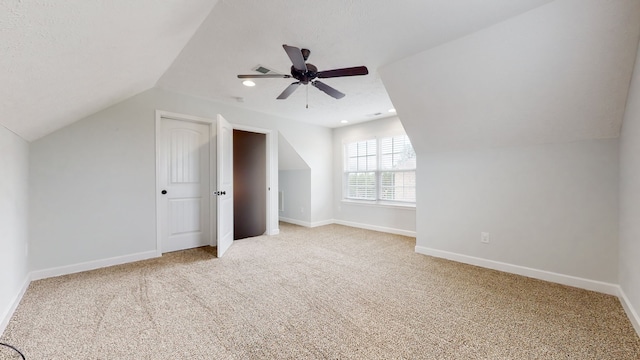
x=264 y=70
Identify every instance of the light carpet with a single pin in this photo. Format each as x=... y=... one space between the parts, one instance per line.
x=332 y=292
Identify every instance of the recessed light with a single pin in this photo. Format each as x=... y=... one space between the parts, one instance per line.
x=344 y=121
x=248 y=83
x=392 y=110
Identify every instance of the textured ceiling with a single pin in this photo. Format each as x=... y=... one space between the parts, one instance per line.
x=562 y=66
x=65 y=59
x=240 y=34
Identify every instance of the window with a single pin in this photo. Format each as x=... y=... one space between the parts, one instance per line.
x=382 y=170
x=361 y=169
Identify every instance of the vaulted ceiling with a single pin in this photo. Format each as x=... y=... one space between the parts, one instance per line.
x=238 y=35
x=65 y=59
x=62 y=60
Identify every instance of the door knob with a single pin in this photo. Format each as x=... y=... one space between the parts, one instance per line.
x=164 y=192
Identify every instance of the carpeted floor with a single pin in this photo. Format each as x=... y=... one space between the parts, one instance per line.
x=332 y=292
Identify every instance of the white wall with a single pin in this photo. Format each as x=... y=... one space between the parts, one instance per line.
x=294 y=181
x=295 y=185
x=314 y=145
x=396 y=219
x=93 y=187
x=14 y=185
x=514 y=128
x=547 y=207
x=630 y=200
x=93 y=182
x=288 y=157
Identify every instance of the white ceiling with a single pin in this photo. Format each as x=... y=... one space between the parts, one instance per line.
x=65 y=59
x=240 y=34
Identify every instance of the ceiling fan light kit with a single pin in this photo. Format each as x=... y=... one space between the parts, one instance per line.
x=306 y=73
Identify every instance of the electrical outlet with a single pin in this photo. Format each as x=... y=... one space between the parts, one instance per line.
x=484 y=237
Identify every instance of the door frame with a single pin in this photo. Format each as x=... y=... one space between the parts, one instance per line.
x=272 y=229
x=212 y=172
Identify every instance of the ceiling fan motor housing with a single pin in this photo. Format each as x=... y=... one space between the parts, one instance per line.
x=305 y=77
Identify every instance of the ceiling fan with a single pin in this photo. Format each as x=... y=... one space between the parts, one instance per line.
x=306 y=73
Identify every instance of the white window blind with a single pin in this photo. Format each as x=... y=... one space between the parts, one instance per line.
x=361 y=170
x=381 y=169
x=398 y=169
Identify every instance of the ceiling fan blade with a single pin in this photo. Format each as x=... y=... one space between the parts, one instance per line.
x=258 y=76
x=289 y=90
x=296 y=57
x=352 y=71
x=328 y=89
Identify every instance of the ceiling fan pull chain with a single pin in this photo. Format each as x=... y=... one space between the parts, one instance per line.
x=307 y=96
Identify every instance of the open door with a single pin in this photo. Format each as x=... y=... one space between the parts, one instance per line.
x=225 y=185
x=183 y=152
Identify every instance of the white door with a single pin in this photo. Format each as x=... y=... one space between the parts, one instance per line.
x=184 y=205
x=225 y=185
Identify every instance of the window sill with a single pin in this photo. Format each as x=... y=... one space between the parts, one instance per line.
x=380 y=204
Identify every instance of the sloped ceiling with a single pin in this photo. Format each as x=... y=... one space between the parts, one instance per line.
x=240 y=34
x=558 y=73
x=65 y=59
x=464 y=72
x=288 y=157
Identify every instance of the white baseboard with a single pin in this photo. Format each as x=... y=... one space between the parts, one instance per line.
x=351 y=224
x=628 y=308
x=308 y=224
x=295 y=221
x=376 y=228
x=593 y=285
x=322 y=223
x=274 y=232
x=91 y=265
x=6 y=317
